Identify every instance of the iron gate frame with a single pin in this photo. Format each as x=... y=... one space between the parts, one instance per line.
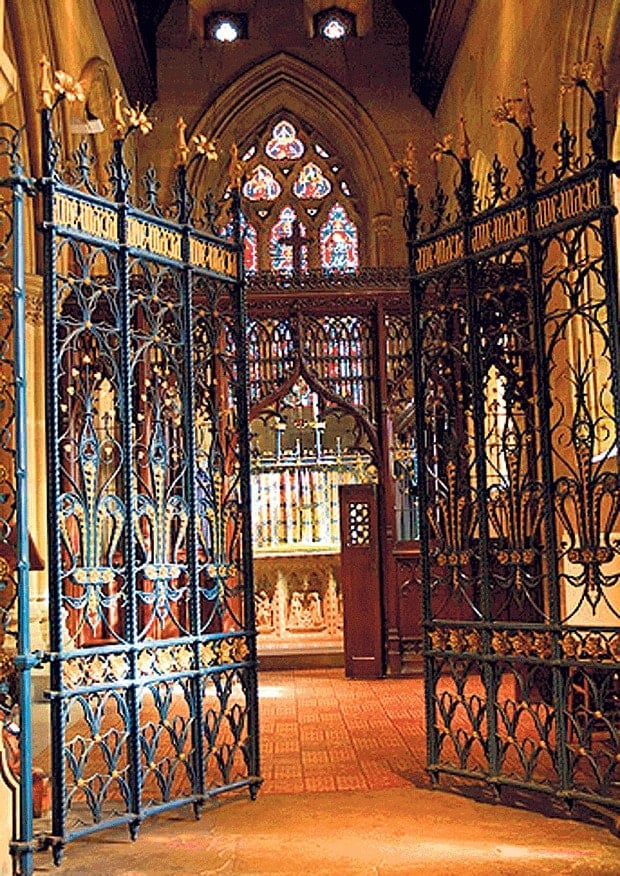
x=76 y=211
x=16 y=675
x=454 y=252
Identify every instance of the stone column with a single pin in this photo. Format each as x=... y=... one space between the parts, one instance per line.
x=382 y=245
x=37 y=462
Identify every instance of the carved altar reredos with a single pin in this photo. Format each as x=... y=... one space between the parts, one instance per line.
x=298 y=602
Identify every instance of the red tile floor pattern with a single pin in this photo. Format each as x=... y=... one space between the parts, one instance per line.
x=322 y=732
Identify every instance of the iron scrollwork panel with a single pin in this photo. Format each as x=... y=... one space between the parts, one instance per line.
x=218 y=464
x=586 y=491
x=584 y=427
x=225 y=661
x=511 y=447
x=517 y=359
x=446 y=396
x=91 y=507
x=153 y=681
x=90 y=668
x=160 y=458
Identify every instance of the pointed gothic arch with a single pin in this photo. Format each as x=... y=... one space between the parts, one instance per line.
x=283 y=84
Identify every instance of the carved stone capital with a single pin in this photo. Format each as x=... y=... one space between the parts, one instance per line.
x=381 y=224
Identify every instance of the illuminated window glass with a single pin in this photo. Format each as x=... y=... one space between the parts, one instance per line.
x=250 y=249
x=334 y=24
x=250 y=243
x=292 y=176
x=284 y=143
x=226 y=27
x=262 y=185
x=339 y=241
x=311 y=183
x=286 y=243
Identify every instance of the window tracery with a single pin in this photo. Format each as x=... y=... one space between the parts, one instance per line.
x=287 y=244
x=262 y=186
x=298 y=202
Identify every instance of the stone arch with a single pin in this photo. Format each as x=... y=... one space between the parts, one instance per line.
x=283 y=83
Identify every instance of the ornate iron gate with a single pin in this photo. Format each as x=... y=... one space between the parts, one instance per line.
x=516 y=349
x=152 y=652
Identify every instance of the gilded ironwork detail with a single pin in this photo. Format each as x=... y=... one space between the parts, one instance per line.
x=153 y=238
x=445 y=249
x=503 y=227
x=220 y=652
x=93 y=219
x=567 y=203
x=453 y=524
x=516 y=357
x=407 y=167
x=85 y=670
x=584 y=645
x=207 y=254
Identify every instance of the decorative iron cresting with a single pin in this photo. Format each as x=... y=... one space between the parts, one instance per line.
x=152 y=638
x=517 y=405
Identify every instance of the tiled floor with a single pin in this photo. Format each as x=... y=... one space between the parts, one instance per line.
x=322 y=732
x=338 y=799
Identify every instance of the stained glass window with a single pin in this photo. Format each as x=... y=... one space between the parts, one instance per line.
x=311 y=183
x=284 y=144
x=250 y=248
x=293 y=177
x=339 y=241
x=250 y=244
x=283 y=253
x=262 y=186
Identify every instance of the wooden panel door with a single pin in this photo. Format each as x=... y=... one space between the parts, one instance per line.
x=360 y=580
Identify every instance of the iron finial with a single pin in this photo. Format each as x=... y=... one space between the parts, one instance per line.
x=464 y=142
x=46 y=88
x=526 y=110
x=598 y=68
x=236 y=168
x=182 y=149
x=407 y=167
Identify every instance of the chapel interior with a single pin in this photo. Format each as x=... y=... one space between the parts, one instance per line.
x=319 y=101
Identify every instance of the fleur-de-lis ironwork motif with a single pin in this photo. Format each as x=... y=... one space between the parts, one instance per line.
x=453 y=522
x=64 y=86
x=515 y=510
x=94 y=516
x=588 y=504
x=129 y=118
x=160 y=526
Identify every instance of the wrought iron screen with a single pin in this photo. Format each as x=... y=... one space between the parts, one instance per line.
x=152 y=651
x=516 y=349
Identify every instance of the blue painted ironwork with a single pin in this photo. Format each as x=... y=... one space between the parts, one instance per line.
x=152 y=653
x=16 y=697
x=516 y=385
